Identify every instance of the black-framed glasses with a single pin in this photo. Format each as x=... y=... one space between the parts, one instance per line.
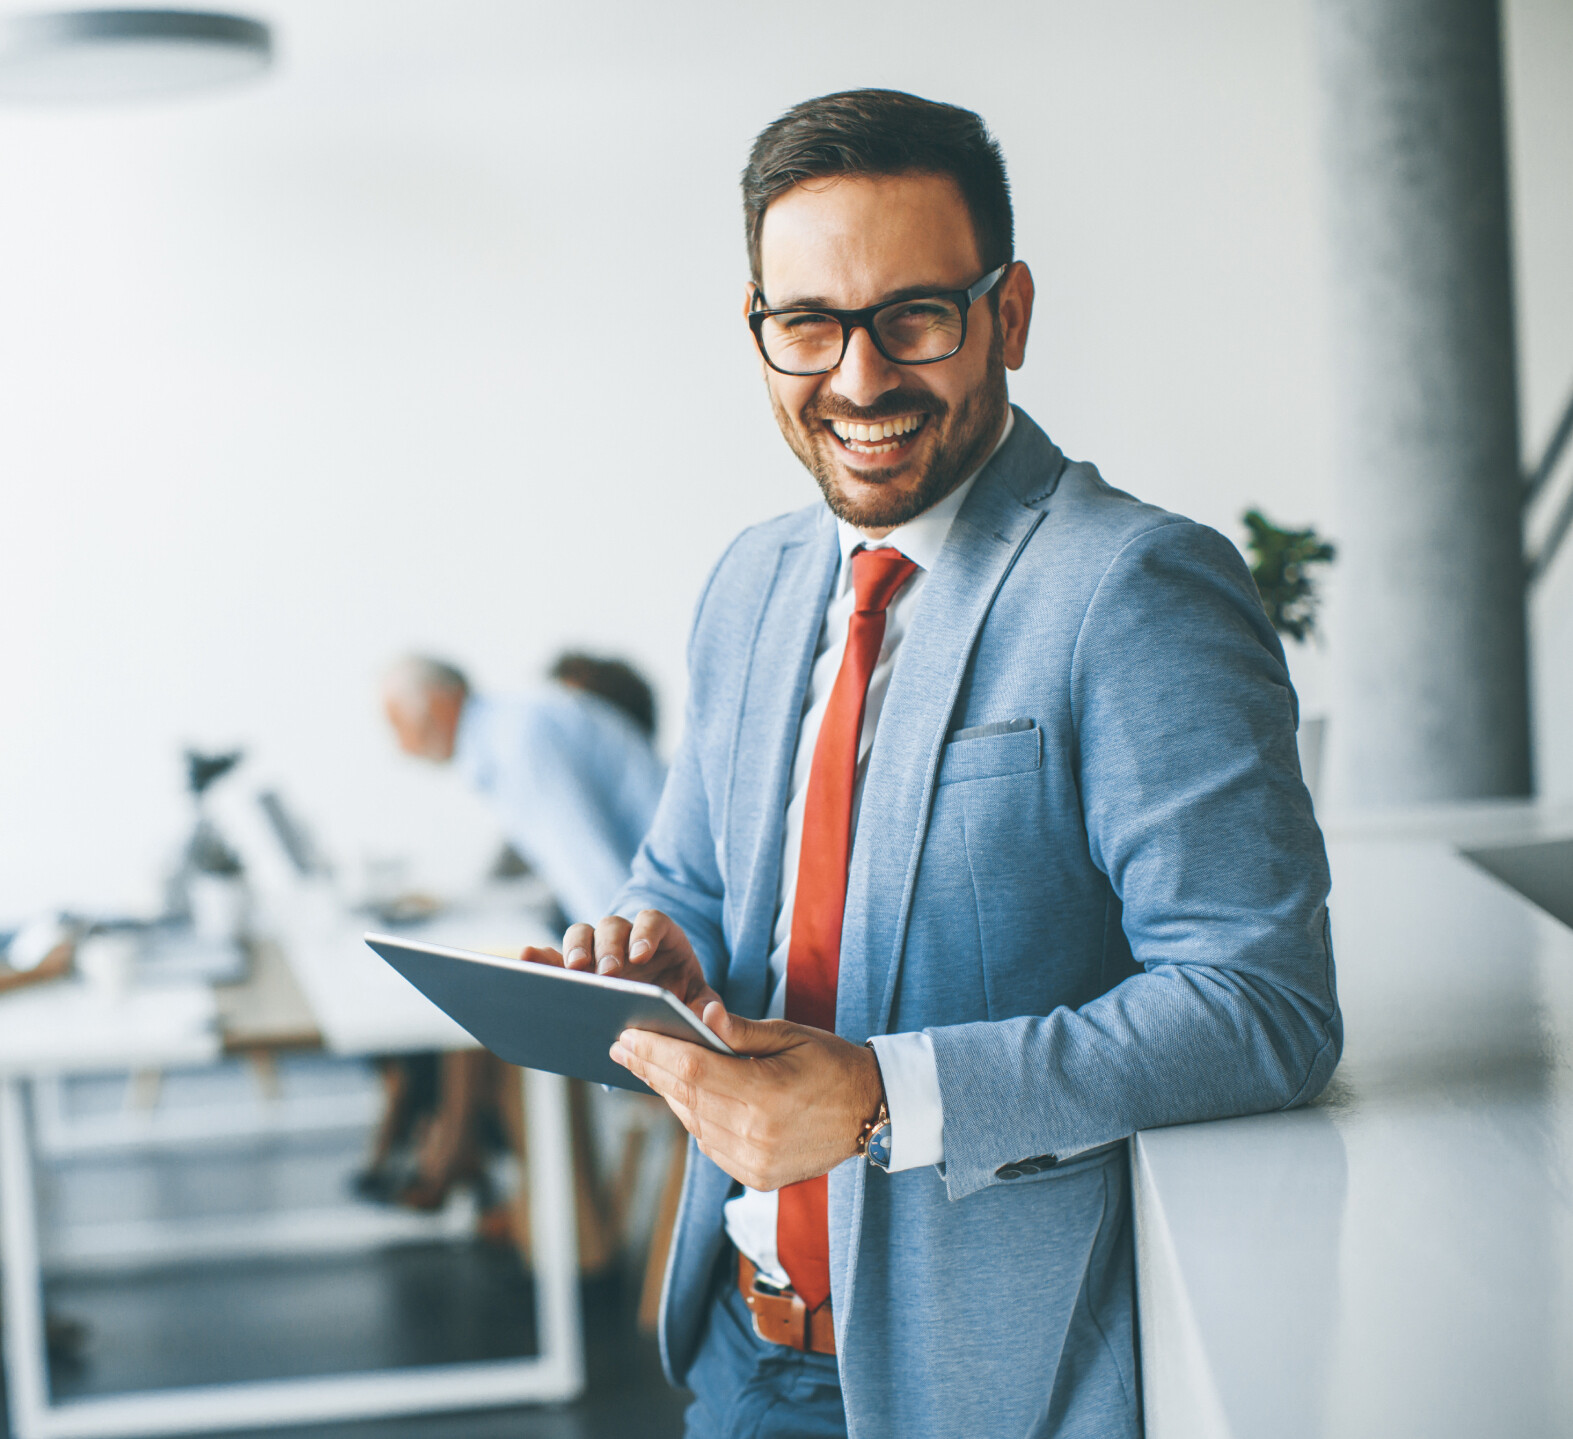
x=919 y=330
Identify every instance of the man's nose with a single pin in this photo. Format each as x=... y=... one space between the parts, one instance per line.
x=864 y=374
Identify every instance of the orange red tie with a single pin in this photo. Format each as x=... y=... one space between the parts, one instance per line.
x=814 y=954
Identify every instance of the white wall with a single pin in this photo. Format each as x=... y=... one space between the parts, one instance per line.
x=296 y=377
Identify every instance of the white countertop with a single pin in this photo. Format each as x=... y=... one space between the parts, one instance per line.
x=1396 y=1259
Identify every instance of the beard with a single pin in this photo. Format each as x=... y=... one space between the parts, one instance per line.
x=963 y=436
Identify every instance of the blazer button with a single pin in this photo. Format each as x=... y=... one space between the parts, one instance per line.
x=1008 y=1171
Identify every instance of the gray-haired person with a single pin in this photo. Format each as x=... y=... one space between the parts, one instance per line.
x=570 y=770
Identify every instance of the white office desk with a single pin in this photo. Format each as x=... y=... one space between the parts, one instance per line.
x=362 y=1004
x=67 y=1026
x=362 y=1007
x=1396 y=1260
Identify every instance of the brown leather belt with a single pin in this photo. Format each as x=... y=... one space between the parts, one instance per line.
x=781 y=1317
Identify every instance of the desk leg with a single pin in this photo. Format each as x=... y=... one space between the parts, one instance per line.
x=661 y=1234
x=26 y=1353
x=597 y=1220
x=553 y=1234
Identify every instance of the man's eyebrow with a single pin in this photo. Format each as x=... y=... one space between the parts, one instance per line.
x=907 y=292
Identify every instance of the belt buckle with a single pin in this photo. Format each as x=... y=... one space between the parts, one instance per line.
x=796 y=1336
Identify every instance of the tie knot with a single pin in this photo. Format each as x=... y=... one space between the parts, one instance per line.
x=877 y=575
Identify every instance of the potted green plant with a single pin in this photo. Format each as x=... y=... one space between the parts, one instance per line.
x=1285 y=565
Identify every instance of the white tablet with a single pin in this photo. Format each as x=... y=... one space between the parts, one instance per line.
x=539 y=1016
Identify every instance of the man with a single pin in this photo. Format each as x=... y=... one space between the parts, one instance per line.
x=985 y=763
x=568 y=768
x=571 y=772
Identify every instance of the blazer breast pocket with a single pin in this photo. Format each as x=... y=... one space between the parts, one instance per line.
x=991 y=750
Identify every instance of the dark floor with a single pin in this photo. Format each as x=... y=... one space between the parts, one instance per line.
x=438 y=1303
x=231 y=1322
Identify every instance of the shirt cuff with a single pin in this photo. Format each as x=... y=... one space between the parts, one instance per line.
x=917 y=1115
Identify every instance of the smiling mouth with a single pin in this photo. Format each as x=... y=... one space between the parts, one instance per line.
x=878 y=437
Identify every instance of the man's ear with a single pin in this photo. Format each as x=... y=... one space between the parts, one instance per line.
x=1015 y=313
x=750 y=290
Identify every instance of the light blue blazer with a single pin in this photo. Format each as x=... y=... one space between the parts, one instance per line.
x=1085 y=866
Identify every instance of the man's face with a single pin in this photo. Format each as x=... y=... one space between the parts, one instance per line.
x=856 y=241
x=425 y=730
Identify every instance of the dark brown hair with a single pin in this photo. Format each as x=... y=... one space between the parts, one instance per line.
x=882 y=132
x=614 y=681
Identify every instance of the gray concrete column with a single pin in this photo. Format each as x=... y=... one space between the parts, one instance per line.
x=1431 y=693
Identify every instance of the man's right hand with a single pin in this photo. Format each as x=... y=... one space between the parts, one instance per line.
x=653 y=949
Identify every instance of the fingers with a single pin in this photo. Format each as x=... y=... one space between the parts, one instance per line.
x=541 y=954
x=748 y=1036
x=729 y=1150
x=611 y=944
x=686 y=1075
x=716 y=1087
x=731 y=1106
x=662 y=1064
x=650 y=928
x=700 y=998
x=716 y=1140
x=602 y=947
x=652 y=948
x=579 y=945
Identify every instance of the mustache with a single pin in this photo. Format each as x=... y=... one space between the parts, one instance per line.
x=886 y=407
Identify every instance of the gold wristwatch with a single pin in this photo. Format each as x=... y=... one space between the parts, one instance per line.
x=874 y=1141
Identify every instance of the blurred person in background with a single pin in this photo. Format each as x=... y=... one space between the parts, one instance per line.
x=569 y=767
x=570 y=770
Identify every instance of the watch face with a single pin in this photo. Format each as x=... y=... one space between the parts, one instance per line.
x=879 y=1146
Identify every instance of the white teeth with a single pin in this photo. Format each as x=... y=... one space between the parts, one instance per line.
x=874 y=434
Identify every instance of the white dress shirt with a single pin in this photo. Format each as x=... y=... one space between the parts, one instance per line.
x=906 y=1061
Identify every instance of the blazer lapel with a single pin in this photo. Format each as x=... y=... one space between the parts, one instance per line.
x=764 y=743
x=988 y=533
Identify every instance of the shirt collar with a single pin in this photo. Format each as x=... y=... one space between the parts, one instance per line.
x=920 y=539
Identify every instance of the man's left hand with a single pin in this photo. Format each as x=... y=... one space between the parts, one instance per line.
x=791 y=1106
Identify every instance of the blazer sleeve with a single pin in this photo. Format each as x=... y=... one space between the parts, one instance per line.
x=1184 y=721
x=676 y=869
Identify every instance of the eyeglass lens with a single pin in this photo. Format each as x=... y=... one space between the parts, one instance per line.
x=806 y=342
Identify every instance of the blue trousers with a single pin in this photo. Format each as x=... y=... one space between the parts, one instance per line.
x=748 y=1388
